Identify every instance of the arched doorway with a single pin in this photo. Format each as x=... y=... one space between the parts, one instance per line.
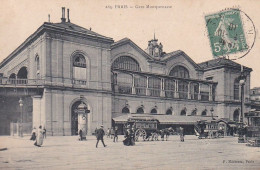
x=236 y=116
x=169 y=112
x=153 y=111
x=75 y=118
x=125 y=110
x=183 y=112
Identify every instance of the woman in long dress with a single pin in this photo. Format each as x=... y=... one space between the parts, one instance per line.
x=39 y=137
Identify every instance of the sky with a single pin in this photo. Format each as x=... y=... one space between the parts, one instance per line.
x=181 y=27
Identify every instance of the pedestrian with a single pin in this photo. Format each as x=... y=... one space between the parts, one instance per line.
x=33 y=137
x=80 y=135
x=44 y=132
x=181 y=134
x=39 y=137
x=116 y=134
x=112 y=133
x=129 y=137
x=100 y=135
x=108 y=133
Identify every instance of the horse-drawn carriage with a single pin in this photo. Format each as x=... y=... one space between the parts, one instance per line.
x=252 y=131
x=208 y=129
x=146 y=128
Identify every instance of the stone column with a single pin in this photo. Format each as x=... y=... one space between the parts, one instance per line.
x=162 y=94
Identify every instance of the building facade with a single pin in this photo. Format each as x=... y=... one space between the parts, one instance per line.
x=62 y=65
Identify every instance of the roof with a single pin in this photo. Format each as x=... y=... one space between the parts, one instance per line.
x=164 y=119
x=66 y=27
x=73 y=27
x=220 y=62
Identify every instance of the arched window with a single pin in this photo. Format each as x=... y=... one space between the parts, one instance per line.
x=79 y=69
x=79 y=61
x=140 y=110
x=169 y=112
x=236 y=89
x=37 y=62
x=183 y=112
x=153 y=111
x=126 y=63
x=236 y=115
x=179 y=71
x=125 y=110
x=204 y=113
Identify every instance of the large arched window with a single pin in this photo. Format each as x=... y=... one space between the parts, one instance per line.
x=140 y=110
x=236 y=89
x=154 y=111
x=179 y=71
x=125 y=110
x=12 y=78
x=79 y=69
x=169 y=112
x=236 y=116
x=126 y=63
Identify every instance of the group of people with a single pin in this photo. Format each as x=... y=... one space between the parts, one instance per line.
x=38 y=135
x=129 y=136
x=113 y=133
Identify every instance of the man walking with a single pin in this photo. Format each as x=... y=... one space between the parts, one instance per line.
x=100 y=134
x=116 y=134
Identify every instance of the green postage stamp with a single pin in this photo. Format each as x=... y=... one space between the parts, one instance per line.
x=226 y=32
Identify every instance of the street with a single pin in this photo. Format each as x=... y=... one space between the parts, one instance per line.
x=67 y=152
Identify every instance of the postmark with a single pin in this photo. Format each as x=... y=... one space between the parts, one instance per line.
x=231 y=33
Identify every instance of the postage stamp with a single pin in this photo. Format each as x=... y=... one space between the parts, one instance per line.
x=226 y=33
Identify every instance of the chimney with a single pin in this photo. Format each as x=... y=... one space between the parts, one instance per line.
x=63 y=19
x=68 y=13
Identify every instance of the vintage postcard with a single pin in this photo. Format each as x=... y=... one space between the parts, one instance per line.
x=129 y=84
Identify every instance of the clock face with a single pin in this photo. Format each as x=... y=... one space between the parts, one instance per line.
x=156 y=50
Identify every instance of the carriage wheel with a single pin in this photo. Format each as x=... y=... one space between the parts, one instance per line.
x=140 y=133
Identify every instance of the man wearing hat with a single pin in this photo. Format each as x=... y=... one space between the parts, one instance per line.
x=100 y=134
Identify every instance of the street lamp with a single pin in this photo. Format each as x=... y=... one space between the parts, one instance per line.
x=242 y=80
x=21 y=117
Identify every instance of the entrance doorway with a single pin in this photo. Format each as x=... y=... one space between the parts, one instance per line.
x=75 y=118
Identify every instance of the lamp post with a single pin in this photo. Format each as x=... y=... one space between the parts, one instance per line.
x=242 y=80
x=21 y=118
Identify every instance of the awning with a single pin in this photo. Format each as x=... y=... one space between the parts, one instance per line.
x=163 y=119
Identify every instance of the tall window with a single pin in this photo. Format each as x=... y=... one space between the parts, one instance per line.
x=126 y=63
x=140 y=84
x=79 y=69
x=236 y=89
x=180 y=71
x=169 y=86
x=37 y=64
x=154 y=86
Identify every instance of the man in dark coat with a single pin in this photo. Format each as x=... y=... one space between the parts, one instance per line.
x=100 y=134
x=116 y=134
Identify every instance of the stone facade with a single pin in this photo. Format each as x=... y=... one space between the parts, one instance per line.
x=49 y=57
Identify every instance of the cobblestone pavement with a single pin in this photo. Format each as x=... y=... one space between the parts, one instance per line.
x=68 y=153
